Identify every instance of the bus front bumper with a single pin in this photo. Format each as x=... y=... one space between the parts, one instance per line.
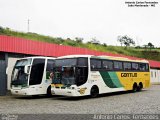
x=20 y=91
x=65 y=92
x=23 y=91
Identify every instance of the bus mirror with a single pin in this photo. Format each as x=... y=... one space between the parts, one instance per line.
x=7 y=71
x=26 y=69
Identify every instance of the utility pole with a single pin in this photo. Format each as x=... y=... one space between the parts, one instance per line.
x=28 y=25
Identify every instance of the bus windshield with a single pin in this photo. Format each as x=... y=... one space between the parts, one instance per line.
x=18 y=75
x=66 y=62
x=70 y=71
x=64 y=75
x=64 y=72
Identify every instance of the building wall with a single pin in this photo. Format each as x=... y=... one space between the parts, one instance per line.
x=155 y=76
x=11 y=63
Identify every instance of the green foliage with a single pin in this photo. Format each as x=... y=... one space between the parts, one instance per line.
x=104 y=44
x=78 y=39
x=95 y=41
x=138 y=51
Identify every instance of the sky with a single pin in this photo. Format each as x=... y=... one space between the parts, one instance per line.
x=104 y=20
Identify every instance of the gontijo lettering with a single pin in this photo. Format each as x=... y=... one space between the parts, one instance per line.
x=128 y=74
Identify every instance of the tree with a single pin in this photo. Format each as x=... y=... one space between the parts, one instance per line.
x=78 y=39
x=68 y=38
x=145 y=46
x=127 y=41
x=60 y=39
x=104 y=44
x=1 y=29
x=95 y=41
x=150 y=45
x=120 y=40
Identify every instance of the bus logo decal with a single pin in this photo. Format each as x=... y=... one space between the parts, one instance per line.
x=128 y=74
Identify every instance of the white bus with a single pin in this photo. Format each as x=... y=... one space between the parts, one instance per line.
x=79 y=75
x=31 y=76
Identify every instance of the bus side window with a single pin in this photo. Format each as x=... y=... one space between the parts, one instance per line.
x=142 y=66
x=107 y=65
x=82 y=71
x=127 y=66
x=96 y=64
x=118 y=65
x=135 y=66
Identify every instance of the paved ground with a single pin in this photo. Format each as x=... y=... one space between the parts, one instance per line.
x=146 y=101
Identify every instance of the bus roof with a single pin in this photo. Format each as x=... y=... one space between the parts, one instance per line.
x=121 y=59
x=75 y=56
x=38 y=57
x=104 y=57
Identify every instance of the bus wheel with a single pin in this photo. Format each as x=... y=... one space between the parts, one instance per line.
x=140 y=86
x=135 y=87
x=49 y=94
x=94 y=91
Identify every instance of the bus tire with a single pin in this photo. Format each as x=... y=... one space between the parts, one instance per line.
x=140 y=86
x=49 y=94
x=94 y=91
x=135 y=87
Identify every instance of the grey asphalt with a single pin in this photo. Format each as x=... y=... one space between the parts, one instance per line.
x=145 y=102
